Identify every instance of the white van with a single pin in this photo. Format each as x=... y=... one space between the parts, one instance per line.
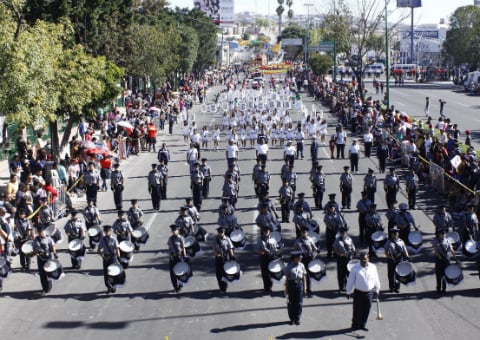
x=375 y=69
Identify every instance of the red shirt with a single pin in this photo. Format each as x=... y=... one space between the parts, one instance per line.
x=152 y=131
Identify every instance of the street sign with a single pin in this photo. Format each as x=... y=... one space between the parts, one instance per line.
x=327 y=43
x=292 y=42
x=325 y=48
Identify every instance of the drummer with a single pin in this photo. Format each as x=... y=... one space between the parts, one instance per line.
x=44 y=248
x=227 y=219
x=396 y=252
x=301 y=202
x=363 y=206
x=266 y=218
x=331 y=201
x=91 y=214
x=176 y=249
x=300 y=221
x=185 y=222
x=295 y=287
x=122 y=227
x=443 y=253
x=108 y=249
x=286 y=197
x=224 y=251
x=135 y=214
x=45 y=213
x=470 y=227
x=344 y=249
x=442 y=219
x=75 y=229
x=333 y=221
x=374 y=224
x=404 y=221
x=267 y=249
x=306 y=245
x=23 y=232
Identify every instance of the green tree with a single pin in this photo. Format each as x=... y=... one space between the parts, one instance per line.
x=462 y=44
x=320 y=63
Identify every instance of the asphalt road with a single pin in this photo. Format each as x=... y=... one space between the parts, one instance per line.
x=78 y=307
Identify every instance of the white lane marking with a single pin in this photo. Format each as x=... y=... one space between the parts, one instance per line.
x=150 y=222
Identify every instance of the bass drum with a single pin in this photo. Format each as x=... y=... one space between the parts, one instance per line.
x=317 y=269
x=141 y=235
x=470 y=249
x=76 y=248
x=415 y=241
x=276 y=269
x=231 y=271
x=54 y=233
x=351 y=264
x=95 y=233
x=453 y=274
x=379 y=239
x=404 y=273
x=116 y=274
x=277 y=236
x=27 y=248
x=126 y=253
x=454 y=238
x=54 y=269
x=238 y=238
x=182 y=271
x=191 y=246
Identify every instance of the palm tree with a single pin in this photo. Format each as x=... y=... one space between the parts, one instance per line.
x=280 y=10
x=290 y=11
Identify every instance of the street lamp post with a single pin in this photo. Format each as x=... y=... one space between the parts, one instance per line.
x=308 y=32
x=335 y=42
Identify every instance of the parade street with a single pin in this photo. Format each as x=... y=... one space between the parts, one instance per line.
x=78 y=308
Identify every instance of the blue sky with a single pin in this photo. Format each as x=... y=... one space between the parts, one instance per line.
x=430 y=13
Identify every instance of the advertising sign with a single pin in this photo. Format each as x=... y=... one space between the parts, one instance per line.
x=409 y=3
x=221 y=11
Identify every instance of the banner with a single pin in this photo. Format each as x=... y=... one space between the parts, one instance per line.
x=221 y=11
x=437 y=178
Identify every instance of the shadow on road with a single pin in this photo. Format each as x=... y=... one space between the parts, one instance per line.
x=320 y=334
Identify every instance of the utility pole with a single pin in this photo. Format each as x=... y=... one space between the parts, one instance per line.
x=308 y=5
x=335 y=41
x=387 y=58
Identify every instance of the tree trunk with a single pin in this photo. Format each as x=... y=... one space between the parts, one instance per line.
x=66 y=133
x=54 y=140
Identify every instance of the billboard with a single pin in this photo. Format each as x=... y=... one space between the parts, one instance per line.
x=221 y=11
x=409 y=3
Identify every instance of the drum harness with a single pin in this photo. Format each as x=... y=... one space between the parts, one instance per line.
x=224 y=254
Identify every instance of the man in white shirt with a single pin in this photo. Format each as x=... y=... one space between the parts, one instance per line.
x=192 y=156
x=290 y=152
x=231 y=152
x=353 y=151
x=363 y=283
x=368 y=140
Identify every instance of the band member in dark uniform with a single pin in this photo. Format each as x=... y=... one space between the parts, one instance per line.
x=267 y=249
x=396 y=252
x=223 y=250
x=391 y=186
x=411 y=185
x=346 y=188
x=317 y=177
x=206 y=170
x=92 y=182
x=364 y=284
x=443 y=253
x=155 y=183
x=176 y=249
x=196 y=184
x=363 y=206
x=286 y=198
x=163 y=169
x=374 y=223
x=404 y=221
x=23 y=232
x=110 y=253
x=344 y=249
x=295 y=287
x=309 y=250
x=122 y=227
x=116 y=184
x=370 y=185
x=75 y=229
x=44 y=248
x=333 y=221
x=91 y=215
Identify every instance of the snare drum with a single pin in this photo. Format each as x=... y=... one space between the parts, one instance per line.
x=470 y=249
x=415 y=240
x=453 y=274
x=317 y=269
x=454 y=238
x=140 y=234
x=191 y=246
x=379 y=239
x=276 y=269
x=4 y=268
x=54 y=269
x=76 y=248
x=126 y=252
x=404 y=273
x=315 y=237
x=231 y=270
x=27 y=248
x=352 y=263
x=95 y=233
x=116 y=274
x=182 y=271
x=277 y=236
x=238 y=238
